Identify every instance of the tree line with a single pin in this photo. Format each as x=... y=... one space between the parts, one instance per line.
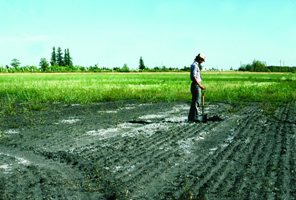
x=63 y=62
x=59 y=61
x=259 y=66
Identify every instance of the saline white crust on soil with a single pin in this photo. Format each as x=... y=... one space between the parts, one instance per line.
x=125 y=150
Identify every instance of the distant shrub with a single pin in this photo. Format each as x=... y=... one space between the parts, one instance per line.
x=259 y=66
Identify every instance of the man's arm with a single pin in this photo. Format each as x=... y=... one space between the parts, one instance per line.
x=199 y=84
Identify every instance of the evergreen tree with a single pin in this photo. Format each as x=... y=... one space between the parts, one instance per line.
x=141 y=66
x=66 y=58
x=69 y=58
x=53 y=60
x=59 y=57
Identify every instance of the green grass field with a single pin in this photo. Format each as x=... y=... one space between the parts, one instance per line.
x=96 y=87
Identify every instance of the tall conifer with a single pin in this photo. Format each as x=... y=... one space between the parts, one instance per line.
x=59 y=57
x=53 y=60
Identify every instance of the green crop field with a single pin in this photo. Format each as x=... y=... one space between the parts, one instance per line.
x=96 y=87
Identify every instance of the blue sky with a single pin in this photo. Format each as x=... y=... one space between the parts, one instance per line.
x=111 y=33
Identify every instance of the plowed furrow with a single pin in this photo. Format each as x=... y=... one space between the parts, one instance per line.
x=258 y=166
x=283 y=178
x=222 y=163
x=31 y=176
x=290 y=175
x=219 y=160
x=251 y=168
x=158 y=170
x=232 y=178
x=199 y=166
x=148 y=142
x=117 y=142
x=126 y=147
x=136 y=155
x=292 y=159
x=155 y=160
x=273 y=165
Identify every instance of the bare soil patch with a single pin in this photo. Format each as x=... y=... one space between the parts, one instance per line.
x=130 y=150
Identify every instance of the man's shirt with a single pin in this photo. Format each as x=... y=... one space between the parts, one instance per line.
x=195 y=72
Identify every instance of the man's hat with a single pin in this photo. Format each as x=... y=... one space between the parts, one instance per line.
x=201 y=55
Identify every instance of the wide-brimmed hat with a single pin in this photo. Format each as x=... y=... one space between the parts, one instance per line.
x=202 y=56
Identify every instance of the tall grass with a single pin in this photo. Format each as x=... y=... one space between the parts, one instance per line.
x=96 y=87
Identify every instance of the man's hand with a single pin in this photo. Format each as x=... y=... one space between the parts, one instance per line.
x=200 y=85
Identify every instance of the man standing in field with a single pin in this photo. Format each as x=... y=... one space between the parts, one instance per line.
x=196 y=87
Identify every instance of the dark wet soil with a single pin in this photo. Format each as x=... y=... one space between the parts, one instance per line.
x=131 y=150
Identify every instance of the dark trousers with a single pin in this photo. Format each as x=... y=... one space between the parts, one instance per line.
x=196 y=101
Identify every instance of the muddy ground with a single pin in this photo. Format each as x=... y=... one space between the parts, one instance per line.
x=130 y=150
